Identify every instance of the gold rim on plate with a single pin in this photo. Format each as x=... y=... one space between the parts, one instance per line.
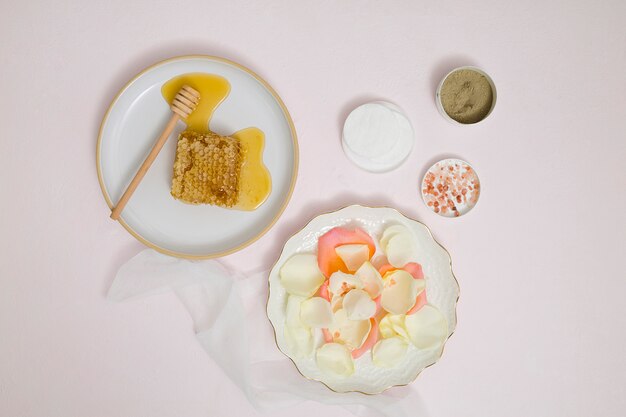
x=390 y=386
x=294 y=176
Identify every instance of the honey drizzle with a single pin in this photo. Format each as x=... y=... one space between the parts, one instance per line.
x=255 y=181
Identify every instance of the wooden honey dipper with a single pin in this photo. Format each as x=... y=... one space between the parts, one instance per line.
x=183 y=104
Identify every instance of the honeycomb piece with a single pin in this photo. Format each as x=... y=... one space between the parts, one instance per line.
x=207 y=169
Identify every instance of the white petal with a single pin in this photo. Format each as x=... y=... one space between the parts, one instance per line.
x=336 y=303
x=292 y=310
x=399 y=328
x=353 y=255
x=299 y=337
x=385 y=328
x=390 y=232
x=388 y=353
x=335 y=359
x=358 y=305
x=399 y=293
x=318 y=337
x=300 y=275
x=392 y=325
x=340 y=283
x=401 y=249
x=420 y=285
x=427 y=327
x=299 y=341
x=370 y=278
x=315 y=312
x=351 y=333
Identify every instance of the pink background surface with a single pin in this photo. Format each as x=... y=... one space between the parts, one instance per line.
x=541 y=315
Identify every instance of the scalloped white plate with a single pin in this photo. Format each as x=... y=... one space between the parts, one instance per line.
x=442 y=287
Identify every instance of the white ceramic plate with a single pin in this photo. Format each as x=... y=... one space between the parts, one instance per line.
x=441 y=286
x=129 y=129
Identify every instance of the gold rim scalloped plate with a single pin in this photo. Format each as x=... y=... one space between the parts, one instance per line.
x=317 y=234
x=153 y=216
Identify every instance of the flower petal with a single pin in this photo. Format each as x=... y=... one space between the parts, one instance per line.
x=353 y=255
x=323 y=291
x=385 y=328
x=340 y=283
x=414 y=269
x=370 y=341
x=393 y=325
x=299 y=337
x=401 y=249
x=427 y=328
x=420 y=302
x=336 y=303
x=358 y=305
x=328 y=259
x=388 y=353
x=335 y=359
x=351 y=333
x=315 y=312
x=299 y=341
x=370 y=278
x=390 y=232
x=292 y=310
x=400 y=291
x=300 y=275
